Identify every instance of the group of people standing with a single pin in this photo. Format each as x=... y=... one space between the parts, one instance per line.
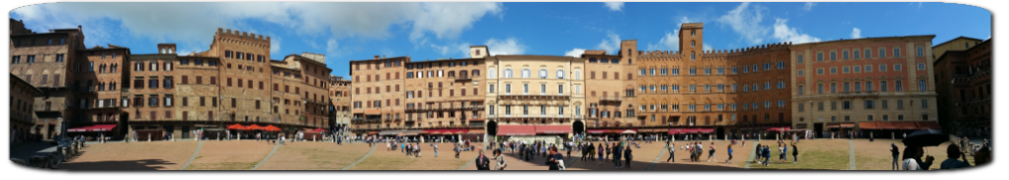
x=763 y=153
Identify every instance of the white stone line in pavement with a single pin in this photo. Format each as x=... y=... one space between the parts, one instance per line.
x=195 y=154
x=657 y=158
x=467 y=164
x=275 y=147
x=752 y=152
x=373 y=147
x=851 y=156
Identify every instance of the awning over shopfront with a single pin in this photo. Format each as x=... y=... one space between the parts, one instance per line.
x=516 y=130
x=608 y=131
x=236 y=126
x=475 y=131
x=691 y=131
x=553 y=129
x=373 y=133
x=928 y=125
x=779 y=129
x=390 y=132
x=271 y=128
x=444 y=131
x=93 y=128
x=868 y=126
x=253 y=128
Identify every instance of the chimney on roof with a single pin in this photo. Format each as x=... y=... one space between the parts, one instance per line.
x=377 y=56
x=78 y=28
x=383 y=56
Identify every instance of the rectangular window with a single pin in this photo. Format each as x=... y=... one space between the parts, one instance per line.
x=819 y=57
x=921 y=66
x=924 y=103
x=882 y=53
x=844 y=55
x=869 y=104
x=833 y=56
x=896 y=52
x=799 y=59
x=922 y=86
x=882 y=67
x=899 y=86
x=856 y=54
x=868 y=68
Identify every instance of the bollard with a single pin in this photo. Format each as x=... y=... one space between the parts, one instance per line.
x=313 y=138
x=891 y=135
x=148 y=137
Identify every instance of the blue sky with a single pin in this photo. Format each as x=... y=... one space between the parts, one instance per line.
x=354 y=31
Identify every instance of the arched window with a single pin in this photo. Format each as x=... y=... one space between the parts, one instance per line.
x=543 y=73
x=560 y=74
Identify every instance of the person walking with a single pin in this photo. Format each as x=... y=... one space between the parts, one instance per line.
x=759 y=151
x=729 y=149
x=456 y=149
x=500 y=164
x=781 y=153
x=555 y=160
x=767 y=155
x=481 y=162
x=711 y=152
x=795 y=153
x=616 y=155
x=672 y=148
x=895 y=152
x=592 y=151
x=628 y=156
x=784 y=153
x=435 y=149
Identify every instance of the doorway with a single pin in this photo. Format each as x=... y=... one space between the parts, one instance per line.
x=818 y=130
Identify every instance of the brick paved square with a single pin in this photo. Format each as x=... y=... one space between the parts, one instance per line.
x=133 y=156
x=383 y=159
x=315 y=156
x=230 y=155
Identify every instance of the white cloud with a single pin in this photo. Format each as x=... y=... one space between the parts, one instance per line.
x=809 y=6
x=614 y=6
x=671 y=41
x=577 y=52
x=332 y=48
x=275 y=44
x=707 y=47
x=162 y=21
x=856 y=33
x=611 y=44
x=783 y=33
x=746 y=21
x=508 y=46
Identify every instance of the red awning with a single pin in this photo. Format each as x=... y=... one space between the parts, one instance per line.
x=253 y=127
x=444 y=131
x=516 y=130
x=236 y=126
x=675 y=131
x=868 y=126
x=271 y=128
x=781 y=129
x=928 y=125
x=553 y=129
x=93 y=128
x=607 y=131
x=705 y=130
x=596 y=131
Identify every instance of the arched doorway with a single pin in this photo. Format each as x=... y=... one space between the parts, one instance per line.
x=492 y=128
x=578 y=127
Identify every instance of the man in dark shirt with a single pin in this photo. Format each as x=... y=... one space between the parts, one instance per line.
x=555 y=159
x=482 y=163
x=896 y=159
x=617 y=152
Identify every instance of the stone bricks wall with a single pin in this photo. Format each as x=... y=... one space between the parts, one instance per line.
x=374 y=80
x=444 y=93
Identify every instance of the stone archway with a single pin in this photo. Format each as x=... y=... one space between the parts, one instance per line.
x=492 y=128
x=578 y=127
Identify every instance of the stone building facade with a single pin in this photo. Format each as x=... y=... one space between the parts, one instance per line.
x=340 y=102
x=839 y=85
x=22 y=109
x=540 y=95
x=45 y=61
x=721 y=92
x=963 y=79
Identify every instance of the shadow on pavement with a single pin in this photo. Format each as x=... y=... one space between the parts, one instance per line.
x=133 y=165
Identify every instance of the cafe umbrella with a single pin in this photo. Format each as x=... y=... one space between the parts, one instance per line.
x=925 y=137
